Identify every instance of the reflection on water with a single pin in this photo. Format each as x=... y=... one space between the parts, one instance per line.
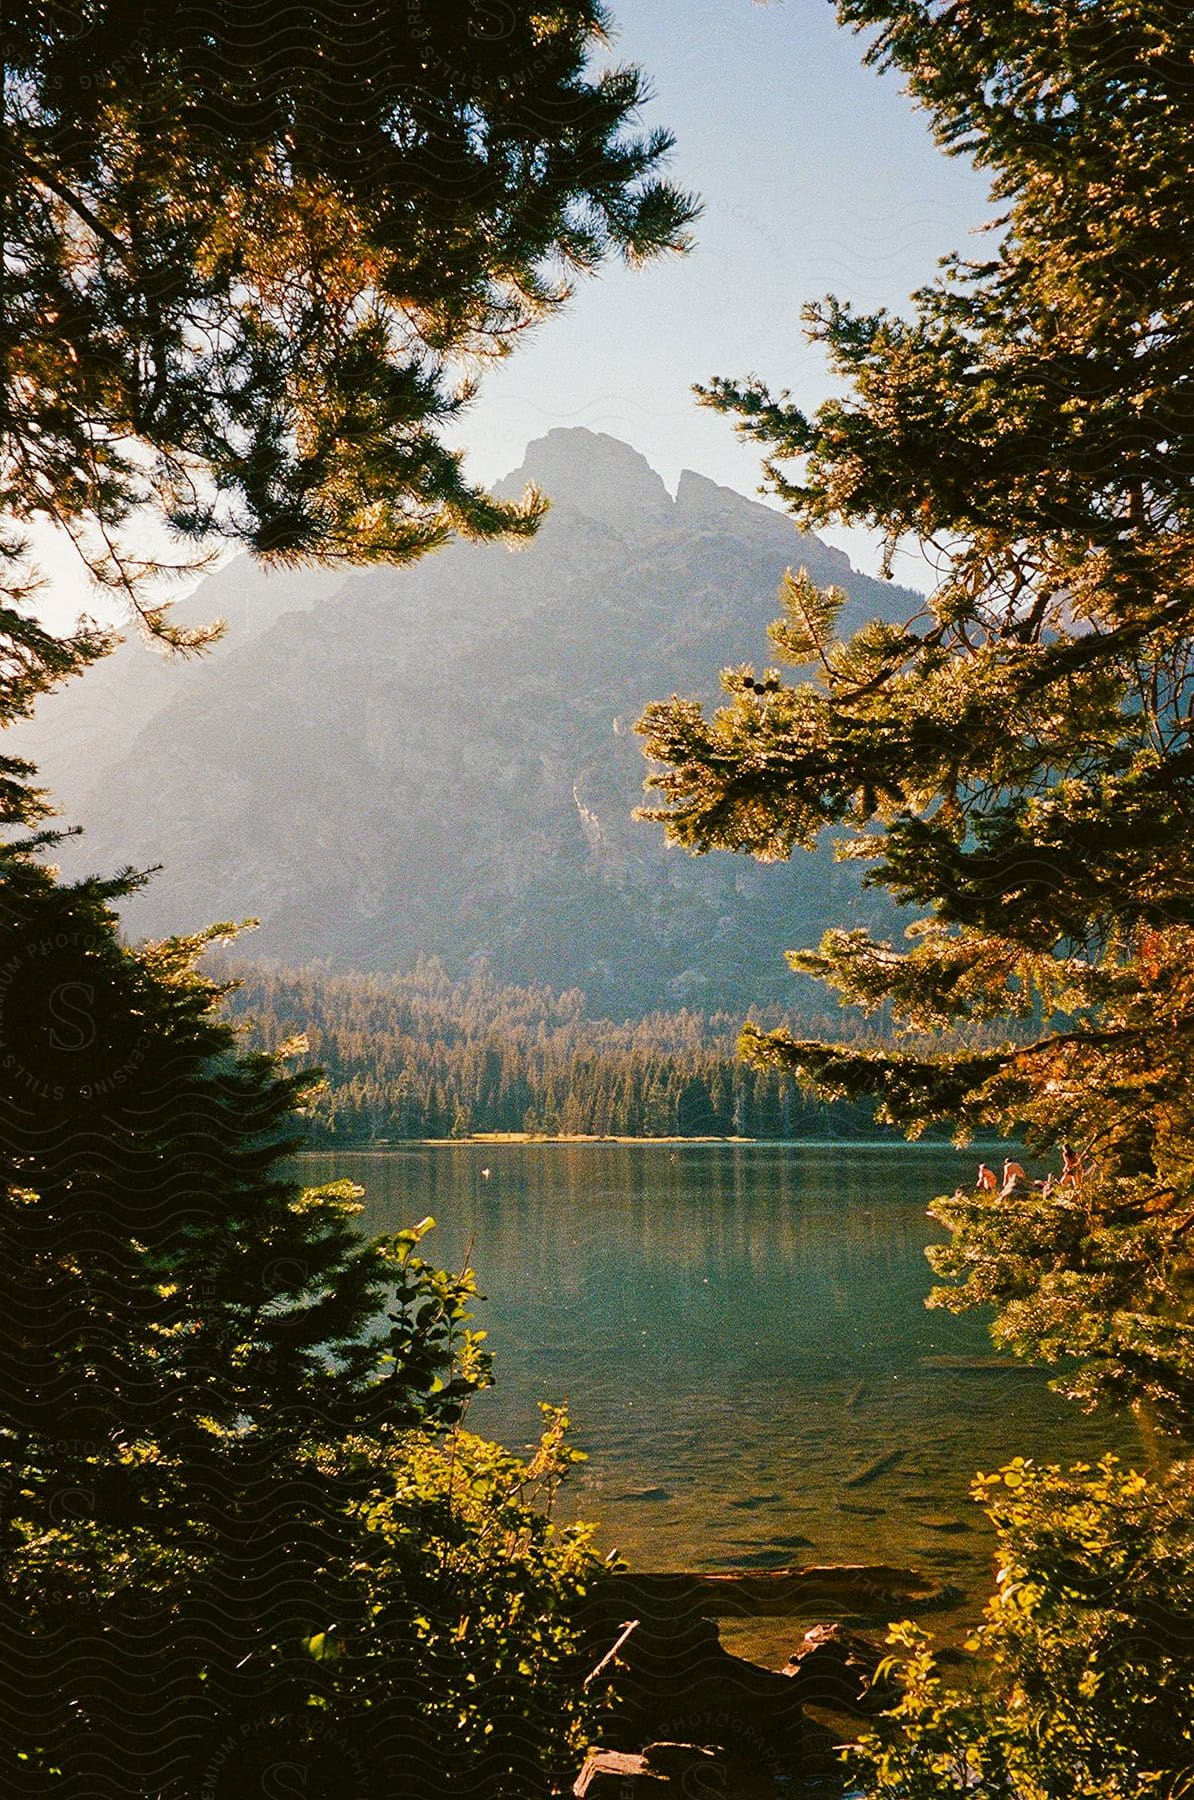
x=739 y=1331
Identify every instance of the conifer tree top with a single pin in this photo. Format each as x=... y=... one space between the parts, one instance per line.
x=1014 y=760
x=252 y=253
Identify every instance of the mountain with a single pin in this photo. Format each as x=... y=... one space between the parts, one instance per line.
x=440 y=760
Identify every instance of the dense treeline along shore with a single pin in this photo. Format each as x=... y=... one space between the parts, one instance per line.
x=417 y=1054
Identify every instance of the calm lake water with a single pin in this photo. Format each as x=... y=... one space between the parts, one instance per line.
x=738 y=1330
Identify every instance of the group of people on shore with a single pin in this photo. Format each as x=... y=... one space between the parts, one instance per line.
x=1015 y=1178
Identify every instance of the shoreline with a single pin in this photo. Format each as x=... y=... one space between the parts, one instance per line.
x=519 y=1139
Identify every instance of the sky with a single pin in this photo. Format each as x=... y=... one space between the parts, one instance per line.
x=817 y=175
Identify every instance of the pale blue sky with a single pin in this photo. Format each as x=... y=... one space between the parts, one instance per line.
x=817 y=175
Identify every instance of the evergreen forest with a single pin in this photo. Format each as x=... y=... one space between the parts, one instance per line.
x=417 y=1055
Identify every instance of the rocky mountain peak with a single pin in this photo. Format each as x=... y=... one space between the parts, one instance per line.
x=591 y=473
x=389 y=763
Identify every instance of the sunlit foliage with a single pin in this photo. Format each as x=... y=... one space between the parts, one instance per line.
x=1082 y=1684
x=251 y=259
x=255 y=256
x=1015 y=763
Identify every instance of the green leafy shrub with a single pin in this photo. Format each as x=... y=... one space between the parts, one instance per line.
x=1082 y=1686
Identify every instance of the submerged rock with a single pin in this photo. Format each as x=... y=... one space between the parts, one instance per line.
x=770 y=1593
x=871 y=1471
x=832 y=1666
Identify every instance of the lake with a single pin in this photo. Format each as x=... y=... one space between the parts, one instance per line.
x=739 y=1332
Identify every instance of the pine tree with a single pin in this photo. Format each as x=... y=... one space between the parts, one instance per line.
x=223 y=1413
x=245 y=248
x=1017 y=759
x=1014 y=763
x=245 y=1541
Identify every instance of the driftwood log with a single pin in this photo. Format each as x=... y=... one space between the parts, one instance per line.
x=676 y=1680
x=862 y=1589
x=689 y=1770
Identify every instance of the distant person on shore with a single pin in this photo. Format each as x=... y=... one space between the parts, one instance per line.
x=1014 y=1176
x=1073 y=1166
x=985 y=1181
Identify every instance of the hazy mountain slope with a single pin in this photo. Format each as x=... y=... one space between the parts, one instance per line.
x=441 y=759
x=86 y=727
